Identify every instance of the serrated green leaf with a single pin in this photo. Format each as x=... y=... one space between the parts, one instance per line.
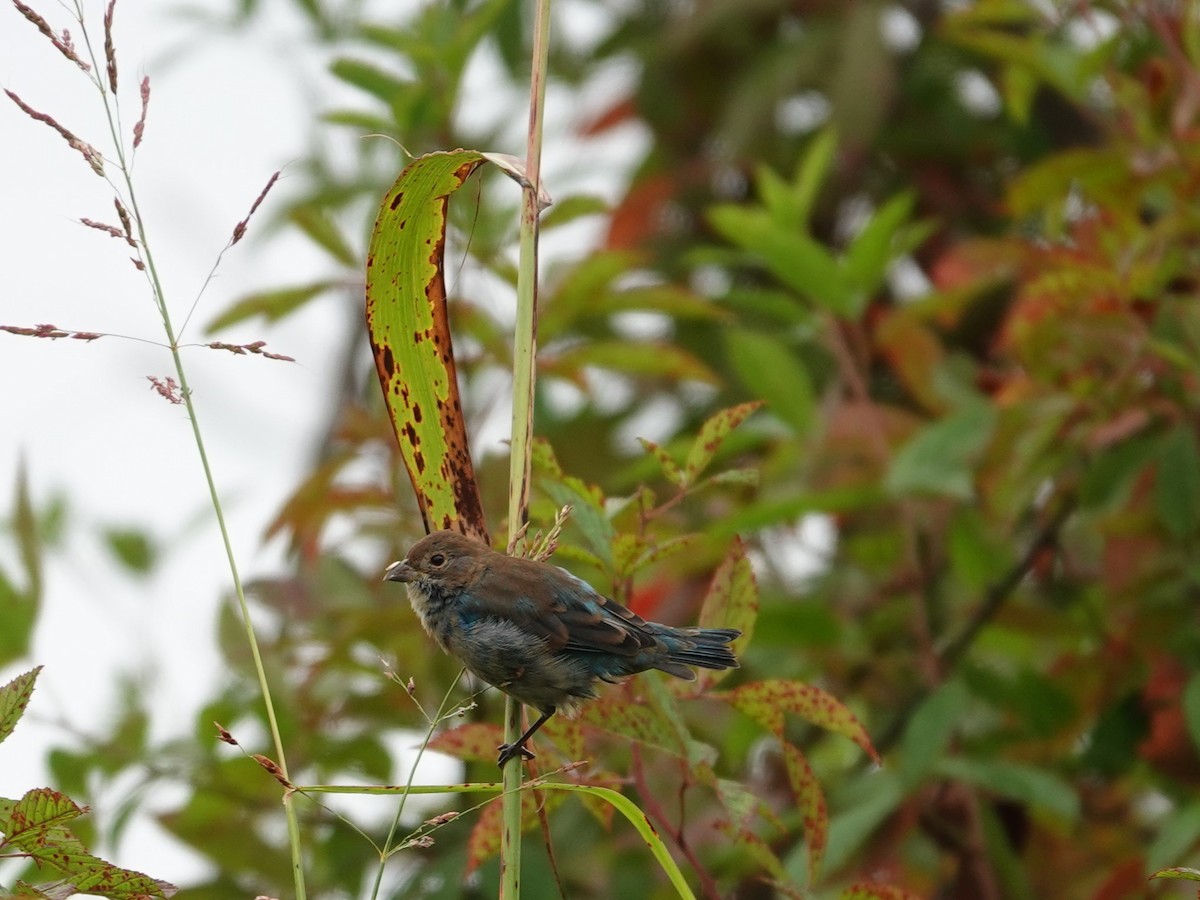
x=712 y=435
x=766 y=702
x=811 y=802
x=638 y=723
x=670 y=468
x=732 y=600
x=14 y=697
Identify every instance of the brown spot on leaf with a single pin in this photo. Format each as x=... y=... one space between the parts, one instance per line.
x=397 y=200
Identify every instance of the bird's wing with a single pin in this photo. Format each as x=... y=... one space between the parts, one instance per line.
x=564 y=610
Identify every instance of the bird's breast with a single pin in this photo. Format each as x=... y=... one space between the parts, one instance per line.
x=434 y=613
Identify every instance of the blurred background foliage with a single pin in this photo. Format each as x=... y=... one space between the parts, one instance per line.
x=953 y=249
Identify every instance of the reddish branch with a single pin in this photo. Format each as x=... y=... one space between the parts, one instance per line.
x=652 y=808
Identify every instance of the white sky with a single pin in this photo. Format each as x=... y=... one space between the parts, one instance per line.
x=225 y=112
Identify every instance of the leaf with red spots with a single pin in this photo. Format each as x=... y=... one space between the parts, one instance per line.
x=618 y=716
x=811 y=803
x=712 y=434
x=35 y=826
x=473 y=741
x=731 y=601
x=14 y=697
x=410 y=337
x=767 y=701
x=484 y=842
x=670 y=468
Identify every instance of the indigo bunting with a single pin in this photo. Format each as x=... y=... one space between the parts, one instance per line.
x=536 y=631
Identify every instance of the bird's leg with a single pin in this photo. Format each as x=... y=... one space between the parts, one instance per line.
x=508 y=751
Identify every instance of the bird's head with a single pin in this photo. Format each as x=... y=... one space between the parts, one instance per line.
x=444 y=558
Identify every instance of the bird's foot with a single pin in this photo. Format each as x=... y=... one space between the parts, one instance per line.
x=509 y=751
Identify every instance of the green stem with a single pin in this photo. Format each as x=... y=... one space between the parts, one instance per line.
x=524 y=351
x=111 y=114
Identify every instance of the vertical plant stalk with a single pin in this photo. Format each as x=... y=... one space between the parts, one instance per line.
x=112 y=114
x=524 y=351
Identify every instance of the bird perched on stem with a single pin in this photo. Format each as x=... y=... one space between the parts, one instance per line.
x=536 y=631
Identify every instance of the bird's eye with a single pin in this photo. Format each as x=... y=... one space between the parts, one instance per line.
x=437 y=560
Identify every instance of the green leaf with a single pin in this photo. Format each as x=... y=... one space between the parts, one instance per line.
x=771 y=371
x=712 y=435
x=798 y=261
x=664 y=298
x=18 y=615
x=1110 y=478
x=1179 y=872
x=1177 y=835
x=571 y=208
x=646 y=358
x=732 y=599
x=271 y=305
x=1191 y=709
x=811 y=172
x=317 y=225
x=1177 y=483
x=375 y=81
x=134 y=549
x=29 y=538
x=14 y=697
x=930 y=729
x=868 y=256
x=976 y=559
x=880 y=795
x=938 y=460
x=1031 y=786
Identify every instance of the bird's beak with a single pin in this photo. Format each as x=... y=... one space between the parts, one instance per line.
x=400 y=571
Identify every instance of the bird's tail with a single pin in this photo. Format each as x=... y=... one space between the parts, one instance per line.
x=704 y=647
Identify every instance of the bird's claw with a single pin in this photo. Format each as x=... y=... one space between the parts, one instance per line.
x=508 y=751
